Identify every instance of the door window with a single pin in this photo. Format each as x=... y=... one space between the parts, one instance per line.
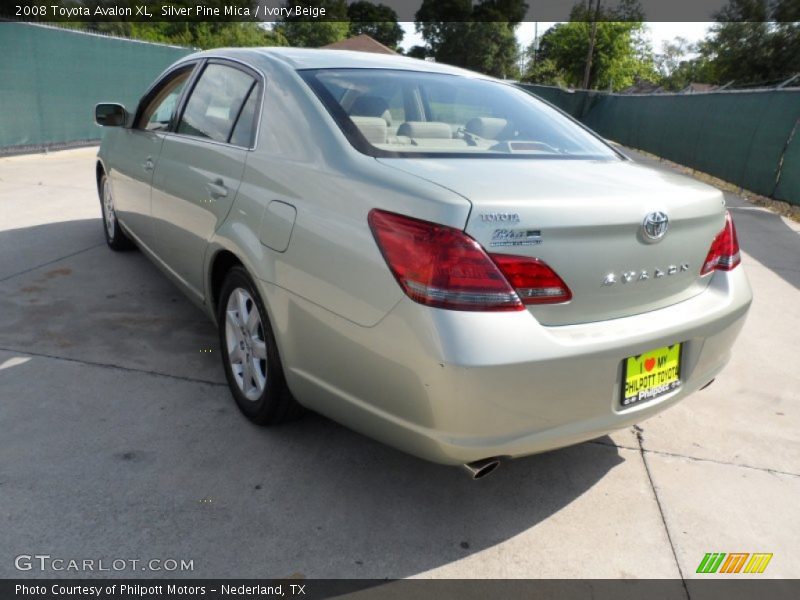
x=218 y=100
x=162 y=102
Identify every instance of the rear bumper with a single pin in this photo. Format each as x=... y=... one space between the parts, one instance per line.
x=454 y=387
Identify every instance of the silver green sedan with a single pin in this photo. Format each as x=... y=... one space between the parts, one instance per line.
x=429 y=256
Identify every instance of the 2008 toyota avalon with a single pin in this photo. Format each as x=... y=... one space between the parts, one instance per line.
x=427 y=255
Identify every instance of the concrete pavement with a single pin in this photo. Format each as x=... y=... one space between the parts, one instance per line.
x=119 y=439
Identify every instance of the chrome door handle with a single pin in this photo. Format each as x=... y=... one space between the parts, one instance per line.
x=216 y=189
x=148 y=164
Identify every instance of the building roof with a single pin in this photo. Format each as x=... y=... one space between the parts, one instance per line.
x=642 y=87
x=695 y=87
x=361 y=43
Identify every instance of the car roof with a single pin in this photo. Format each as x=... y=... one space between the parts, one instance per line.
x=320 y=58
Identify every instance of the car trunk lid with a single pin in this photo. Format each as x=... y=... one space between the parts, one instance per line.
x=585 y=220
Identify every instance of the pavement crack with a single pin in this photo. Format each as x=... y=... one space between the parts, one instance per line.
x=722 y=462
x=643 y=454
x=694 y=458
x=114 y=367
x=50 y=262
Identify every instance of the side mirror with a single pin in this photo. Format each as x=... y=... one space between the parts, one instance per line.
x=108 y=114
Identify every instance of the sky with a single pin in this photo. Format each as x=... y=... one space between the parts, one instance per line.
x=659 y=33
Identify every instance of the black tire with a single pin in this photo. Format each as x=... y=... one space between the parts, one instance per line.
x=115 y=237
x=275 y=403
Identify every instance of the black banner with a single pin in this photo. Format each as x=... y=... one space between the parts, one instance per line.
x=357 y=589
x=321 y=10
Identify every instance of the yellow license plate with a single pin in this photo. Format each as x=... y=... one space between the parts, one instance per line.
x=652 y=374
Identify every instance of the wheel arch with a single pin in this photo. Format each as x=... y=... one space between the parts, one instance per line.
x=99 y=171
x=222 y=259
x=222 y=262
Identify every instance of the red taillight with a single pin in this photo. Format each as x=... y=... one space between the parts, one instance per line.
x=444 y=267
x=724 y=252
x=533 y=280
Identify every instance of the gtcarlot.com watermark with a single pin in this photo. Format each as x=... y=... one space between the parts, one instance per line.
x=57 y=564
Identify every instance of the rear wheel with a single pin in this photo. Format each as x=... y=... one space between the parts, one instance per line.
x=115 y=237
x=249 y=353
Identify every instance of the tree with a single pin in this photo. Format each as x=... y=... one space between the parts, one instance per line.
x=206 y=35
x=194 y=32
x=600 y=47
x=546 y=72
x=754 y=42
x=620 y=54
x=676 y=69
x=443 y=25
x=499 y=11
x=786 y=41
x=738 y=45
x=672 y=55
x=377 y=21
x=480 y=37
x=417 y=52
x=787 y=37
x=491 y=47
x=301 y=32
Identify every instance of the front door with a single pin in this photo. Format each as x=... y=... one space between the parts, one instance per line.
x=138 y=152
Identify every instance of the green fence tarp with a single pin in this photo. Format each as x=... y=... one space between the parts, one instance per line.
x=741 y=137
x=788 y=187
x=51 y=78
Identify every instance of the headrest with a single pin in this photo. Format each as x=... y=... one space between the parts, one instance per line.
x=425 y=129
x=371 y=106
x=486 y=127
x=372 y=128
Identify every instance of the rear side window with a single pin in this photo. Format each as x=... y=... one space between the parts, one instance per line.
x=216 y=103
x=244 y=131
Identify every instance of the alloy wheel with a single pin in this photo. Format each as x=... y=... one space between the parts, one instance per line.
x=109 y=216
x=244 y=338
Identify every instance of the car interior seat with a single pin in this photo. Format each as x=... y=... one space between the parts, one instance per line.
x=372 y=117
x=490 y=128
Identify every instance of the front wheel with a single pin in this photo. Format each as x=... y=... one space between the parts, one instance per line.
x=115 y=237
x=249 y=353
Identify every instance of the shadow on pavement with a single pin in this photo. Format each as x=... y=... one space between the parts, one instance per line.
x=105 y=462
x=766 y=237
x=100 y=306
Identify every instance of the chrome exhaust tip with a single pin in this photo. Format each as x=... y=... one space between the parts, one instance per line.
x=481 y=468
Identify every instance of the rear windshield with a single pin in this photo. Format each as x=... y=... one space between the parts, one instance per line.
x=386 y=112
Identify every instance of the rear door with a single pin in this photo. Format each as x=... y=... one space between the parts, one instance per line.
x=137 y=150
x=201 y=165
